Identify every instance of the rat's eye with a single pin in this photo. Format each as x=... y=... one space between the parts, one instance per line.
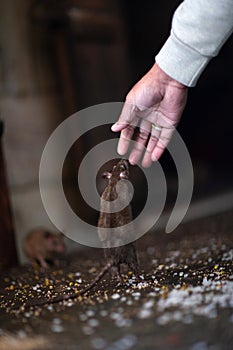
x=124 y=175
x=47 y=234
x=55 y=243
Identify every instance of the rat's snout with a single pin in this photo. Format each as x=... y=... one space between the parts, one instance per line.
x=60 y=248
x=58 y=245
x=124 y=174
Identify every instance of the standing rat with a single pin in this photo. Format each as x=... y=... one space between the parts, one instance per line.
x=111 y=225
x=43 y=246
x=111 y=231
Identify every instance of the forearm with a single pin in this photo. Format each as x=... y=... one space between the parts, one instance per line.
x=199 y=29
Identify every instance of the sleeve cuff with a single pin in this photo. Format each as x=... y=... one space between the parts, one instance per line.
x=181 y=62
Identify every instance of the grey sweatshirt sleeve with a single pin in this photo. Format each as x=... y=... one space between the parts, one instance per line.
x=199 y=29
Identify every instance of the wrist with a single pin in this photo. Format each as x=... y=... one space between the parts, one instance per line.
x=165 y=78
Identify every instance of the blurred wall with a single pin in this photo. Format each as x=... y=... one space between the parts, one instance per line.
x=56 y=57
x=30 y=108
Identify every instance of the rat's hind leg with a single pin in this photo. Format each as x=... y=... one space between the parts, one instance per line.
x=116 y=269
x=133 y=266
x=132 y=262
x=43 y=262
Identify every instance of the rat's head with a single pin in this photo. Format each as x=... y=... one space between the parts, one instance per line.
x=54 y=242
x=119 y=171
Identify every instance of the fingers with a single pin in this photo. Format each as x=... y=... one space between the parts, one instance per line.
x=154 y=137
x=126 y=124
x=151 y=140
x=163 y=140
x=125 y=139
x=140 y=143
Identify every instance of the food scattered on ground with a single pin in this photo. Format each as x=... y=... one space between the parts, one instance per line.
x=186 y=283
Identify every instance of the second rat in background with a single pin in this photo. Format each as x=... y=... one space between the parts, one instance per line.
x=44 y=247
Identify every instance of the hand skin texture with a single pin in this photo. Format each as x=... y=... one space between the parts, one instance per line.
x=155 y=99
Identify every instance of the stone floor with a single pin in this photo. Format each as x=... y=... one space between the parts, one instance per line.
x=185 y=300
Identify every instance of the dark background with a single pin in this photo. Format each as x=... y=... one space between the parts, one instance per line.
x=107 y=59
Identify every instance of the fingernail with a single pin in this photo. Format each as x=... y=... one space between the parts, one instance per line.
x=154 y=158
x=113 y=127
x=132 y=162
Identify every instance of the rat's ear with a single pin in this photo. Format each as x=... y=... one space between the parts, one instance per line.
x=106 y=175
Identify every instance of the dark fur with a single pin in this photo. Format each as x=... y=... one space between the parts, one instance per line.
x=124 y=253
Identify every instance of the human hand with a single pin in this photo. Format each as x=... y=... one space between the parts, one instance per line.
x=157 y=101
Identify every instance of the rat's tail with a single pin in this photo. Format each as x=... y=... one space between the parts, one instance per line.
x=105 y=269
x=63 y=297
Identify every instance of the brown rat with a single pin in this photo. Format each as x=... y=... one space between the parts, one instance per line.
x=111 y=229
x=41 y=246
x=109 y=219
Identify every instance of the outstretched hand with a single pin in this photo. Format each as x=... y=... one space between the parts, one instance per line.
x=156 y=102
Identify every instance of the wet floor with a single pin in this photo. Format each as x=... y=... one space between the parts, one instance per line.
x=183 y=301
